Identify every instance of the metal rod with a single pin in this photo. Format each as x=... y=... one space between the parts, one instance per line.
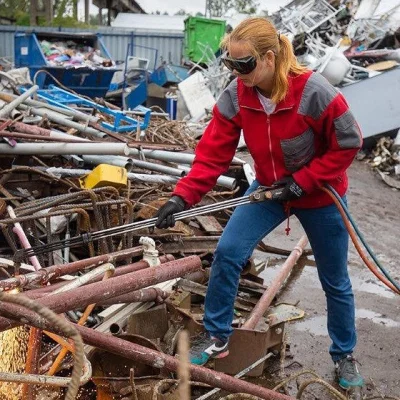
x=107 y=270
x=266 y=299
x=63 y=120
x=84 y=148
x=157 y=167
x=32 y=361
x=224 y=181
x=239 y=375
x=118 y=230
x=5 y=111
x=66 y=111
x=118 y=161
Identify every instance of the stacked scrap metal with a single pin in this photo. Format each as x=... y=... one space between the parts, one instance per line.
x=345 y=42
x=67 y=181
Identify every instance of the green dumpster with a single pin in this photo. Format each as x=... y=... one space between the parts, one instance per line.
x=202 y=38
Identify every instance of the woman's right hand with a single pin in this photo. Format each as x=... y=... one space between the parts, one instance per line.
x=165 y=215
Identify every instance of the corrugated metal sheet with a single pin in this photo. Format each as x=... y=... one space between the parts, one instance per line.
x=156 y=46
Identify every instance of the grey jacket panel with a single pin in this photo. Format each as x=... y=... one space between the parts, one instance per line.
x=317 y=95
x=228 y=101
x=347 y=132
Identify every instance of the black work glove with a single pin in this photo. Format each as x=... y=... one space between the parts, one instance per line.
x=290 y=190
x=165 y=215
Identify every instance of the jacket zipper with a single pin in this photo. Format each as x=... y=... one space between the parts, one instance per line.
x=270 y=147
x=269 y=134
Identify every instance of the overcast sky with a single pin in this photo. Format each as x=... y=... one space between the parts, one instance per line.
x=172 y=6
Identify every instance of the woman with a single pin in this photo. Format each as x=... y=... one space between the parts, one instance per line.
x=300 y=133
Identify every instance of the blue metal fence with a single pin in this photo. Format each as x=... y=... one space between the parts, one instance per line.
x=169 y=45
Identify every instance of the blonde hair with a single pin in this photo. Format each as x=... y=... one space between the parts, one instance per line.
x=262 y=36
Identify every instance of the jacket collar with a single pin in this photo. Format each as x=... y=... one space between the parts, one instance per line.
x=248 y=97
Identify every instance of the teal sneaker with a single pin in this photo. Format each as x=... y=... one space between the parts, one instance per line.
x=205 y=347
x=347 y=373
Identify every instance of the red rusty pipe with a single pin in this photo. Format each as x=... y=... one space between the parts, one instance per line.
x=118 y=272
x=32 y=362
x=100 y=291
x=30 y=129
x=146 y=356
x=55 y=271
x=142 y=295
x=160 y=360
x=266 y=299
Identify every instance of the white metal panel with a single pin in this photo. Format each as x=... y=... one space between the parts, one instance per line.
x=375 y=106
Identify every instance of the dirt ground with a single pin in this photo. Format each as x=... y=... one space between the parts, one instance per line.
x=376 y=209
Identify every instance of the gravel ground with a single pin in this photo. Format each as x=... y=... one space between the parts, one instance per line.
x=375 y=207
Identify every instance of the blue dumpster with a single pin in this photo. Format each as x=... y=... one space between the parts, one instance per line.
x=92 y=81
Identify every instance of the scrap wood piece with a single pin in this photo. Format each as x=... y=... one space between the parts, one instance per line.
x=210 y=224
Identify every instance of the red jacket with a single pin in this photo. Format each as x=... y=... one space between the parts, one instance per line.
x=311 y=135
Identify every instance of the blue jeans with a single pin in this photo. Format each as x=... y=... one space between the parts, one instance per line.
x=329 y=239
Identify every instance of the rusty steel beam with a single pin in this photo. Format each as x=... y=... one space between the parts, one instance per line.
x=46 y=274
x=100 y=291
x=266 y=299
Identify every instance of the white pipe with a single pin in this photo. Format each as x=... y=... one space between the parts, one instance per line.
x=118 y=161
x=84 y=279
x=62 y=120
x=18 y=230
x=72 y=112
x=4 y=112
x=74 y=173
x=225 y=181
x=84 y=148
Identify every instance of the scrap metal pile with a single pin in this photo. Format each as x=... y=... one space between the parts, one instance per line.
x=344 y=41
x=66 y=181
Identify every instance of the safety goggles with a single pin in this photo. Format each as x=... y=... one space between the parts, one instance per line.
x=242 y=66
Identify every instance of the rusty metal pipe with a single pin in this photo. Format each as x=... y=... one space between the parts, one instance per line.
x=147 y=356
x=118 y=272
x=100 y=291
x=159 y=360
x=139 y=296
x=55 y=271
x=266 y=299
x=32 y=361
x=107 y=270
